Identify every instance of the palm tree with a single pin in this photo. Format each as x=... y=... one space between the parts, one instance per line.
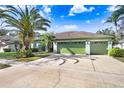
x=110 y=32
x=117 y=15
x=47 y=39
x=26 y=21
x=113 y=19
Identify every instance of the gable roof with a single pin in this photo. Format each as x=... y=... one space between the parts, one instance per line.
x=79 y=35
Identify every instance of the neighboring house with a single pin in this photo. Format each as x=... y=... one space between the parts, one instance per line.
x=6 y=42
x=36 y=43
x=75 y=42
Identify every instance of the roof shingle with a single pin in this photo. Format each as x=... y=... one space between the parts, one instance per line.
x=78 y=35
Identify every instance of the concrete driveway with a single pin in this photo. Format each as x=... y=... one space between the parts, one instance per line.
x=64 y=72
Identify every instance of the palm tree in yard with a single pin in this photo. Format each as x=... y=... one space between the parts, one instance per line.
x=26 y=20
x=113 y=19
x=47 y=39
x=116 y=16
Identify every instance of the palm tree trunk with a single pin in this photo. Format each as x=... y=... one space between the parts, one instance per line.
x=117 y=33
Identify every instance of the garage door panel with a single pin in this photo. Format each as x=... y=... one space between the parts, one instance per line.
x=72 y=47
x=73 y=50
x=98 y=47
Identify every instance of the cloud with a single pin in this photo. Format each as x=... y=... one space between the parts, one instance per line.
x=97 y=14
x=41 y=13
x=76 y=9
x=103 y=21
x=56 y=26
x=70 y=27
x=47 y=9
x=88 y=21
x=111 y=8
x=67 y=27
x=62 y=16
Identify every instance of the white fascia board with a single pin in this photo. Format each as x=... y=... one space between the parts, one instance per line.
x=71 y=40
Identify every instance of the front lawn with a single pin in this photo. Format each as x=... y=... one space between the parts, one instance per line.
x=27 y=59
x=12 y=56
x=7 y=55
x=120 y=59
x=2 y=66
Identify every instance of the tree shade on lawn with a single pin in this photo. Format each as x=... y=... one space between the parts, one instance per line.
x=26 y=20
x=2 y=66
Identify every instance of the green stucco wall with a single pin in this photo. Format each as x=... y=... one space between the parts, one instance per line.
x=98 y=47
x=71 y=47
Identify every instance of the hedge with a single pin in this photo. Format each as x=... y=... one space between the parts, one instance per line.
x=116 y=52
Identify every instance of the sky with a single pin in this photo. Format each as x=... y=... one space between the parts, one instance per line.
x=89 y=18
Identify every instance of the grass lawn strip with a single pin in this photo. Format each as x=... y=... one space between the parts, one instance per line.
x=2 y=66
x=12 y=56
x=120 y=59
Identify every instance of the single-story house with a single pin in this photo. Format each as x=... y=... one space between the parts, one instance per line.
x=80 y=42
x=6 y=42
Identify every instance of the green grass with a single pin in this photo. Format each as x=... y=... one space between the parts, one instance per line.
x=38 y=55
x=120 y=59
x=27 y=59
x=12 y=56
x=2 y=66
x=7 y=55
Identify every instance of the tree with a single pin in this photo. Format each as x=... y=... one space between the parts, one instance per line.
x=116 y=16
x=47 y=40
x=113 y=19
x=110 y=32
x=26 y=20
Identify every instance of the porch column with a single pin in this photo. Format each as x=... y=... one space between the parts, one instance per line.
x=55 y=47
x=37 y=45
x=32 y=45
x=109 y=45
x=87 y=50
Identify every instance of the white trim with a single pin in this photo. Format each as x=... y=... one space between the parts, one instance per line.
x=109 y=45
x=82 y=40
x=70 y=40
x=99 y=40
x=87 y=47
x=55 y=47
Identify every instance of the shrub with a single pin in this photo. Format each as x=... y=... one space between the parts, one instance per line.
x=34 y=49
x=24 y=53
x=28 y=53
x=20 y=54
x=7 y=50
x=116 y=52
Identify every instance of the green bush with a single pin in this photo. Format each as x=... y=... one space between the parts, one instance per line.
x=116 y=52
x=24 y=53
x=28 y=53
x=7 y=50
x=34 y=49
x=20 y=54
